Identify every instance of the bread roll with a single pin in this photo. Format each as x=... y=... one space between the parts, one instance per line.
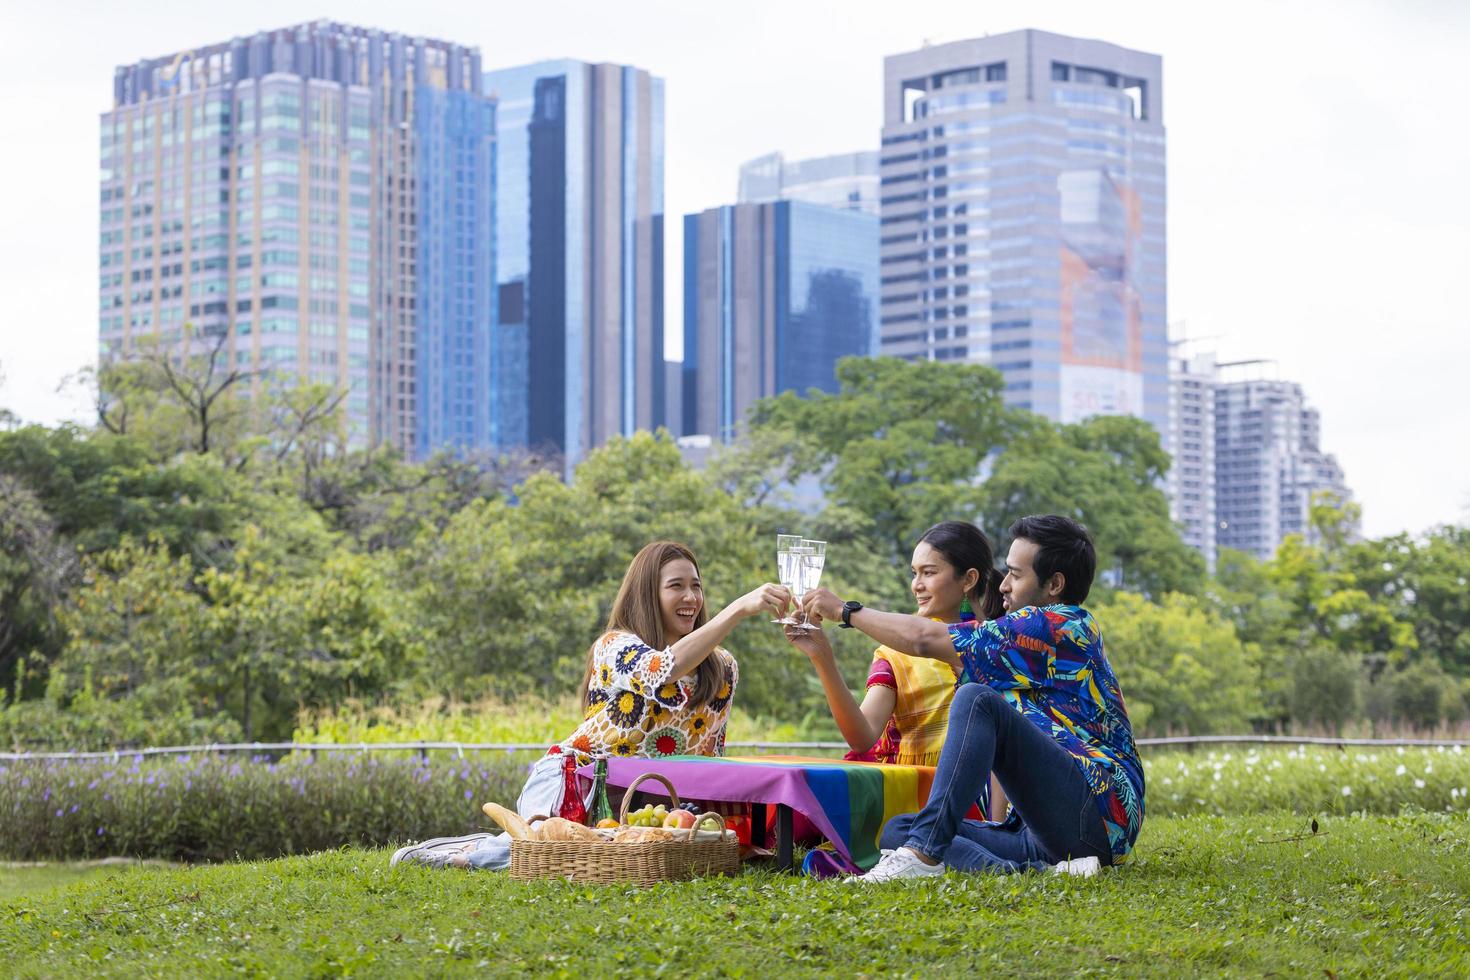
x=510 y=821
x=558 y=829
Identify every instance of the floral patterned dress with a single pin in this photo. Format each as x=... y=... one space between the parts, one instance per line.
x=635 y=709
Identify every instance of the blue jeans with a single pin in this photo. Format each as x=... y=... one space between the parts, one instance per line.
x=1054 y=816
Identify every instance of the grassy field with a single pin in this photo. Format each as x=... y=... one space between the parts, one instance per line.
x=17 y=880
x=1241 y=895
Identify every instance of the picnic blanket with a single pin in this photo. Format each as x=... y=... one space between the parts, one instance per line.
x=848 y=802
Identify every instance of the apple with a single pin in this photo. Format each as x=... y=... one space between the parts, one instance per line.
x=679 y=819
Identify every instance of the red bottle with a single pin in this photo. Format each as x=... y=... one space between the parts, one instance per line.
x=572 y=807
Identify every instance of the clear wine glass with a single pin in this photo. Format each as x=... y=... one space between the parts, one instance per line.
x=788 y=567
x=813 y=558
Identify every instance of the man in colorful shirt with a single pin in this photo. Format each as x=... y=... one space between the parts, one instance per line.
x=1037 y=704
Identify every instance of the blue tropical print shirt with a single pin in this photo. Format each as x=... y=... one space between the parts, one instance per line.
x=1048 y=662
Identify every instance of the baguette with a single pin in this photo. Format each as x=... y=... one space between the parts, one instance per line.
x=510 y=821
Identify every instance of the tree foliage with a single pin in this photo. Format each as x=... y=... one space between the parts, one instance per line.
x=1105 y=472
x=202 y=566
x=1181 y=666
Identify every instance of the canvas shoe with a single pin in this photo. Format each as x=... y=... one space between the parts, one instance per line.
x=900 y=863
x=1081 y=867
x=436 y=851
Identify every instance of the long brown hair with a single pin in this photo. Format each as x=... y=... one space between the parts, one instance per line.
x=636 y=610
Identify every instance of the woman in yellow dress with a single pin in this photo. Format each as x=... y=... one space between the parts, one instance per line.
x=904 y=715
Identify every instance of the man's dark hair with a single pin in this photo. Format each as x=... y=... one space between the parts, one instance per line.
x=1062 y=545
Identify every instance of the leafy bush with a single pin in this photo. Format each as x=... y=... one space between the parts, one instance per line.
x=214 y=808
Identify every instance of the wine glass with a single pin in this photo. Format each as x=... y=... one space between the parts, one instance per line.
x=788 y=567
x=813 y=557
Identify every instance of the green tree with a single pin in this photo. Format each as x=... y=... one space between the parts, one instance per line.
x=277 y=642
x=900 y=443
x=36 y=569
x=182 y=396
x=1105 y=472
x=129 y=673
x=517 y=593
x=1419 y=694
x=1425 y=582
x=1180 y=665
x=1326 y=687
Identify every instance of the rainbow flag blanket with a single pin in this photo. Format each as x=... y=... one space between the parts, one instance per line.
x=848 y=802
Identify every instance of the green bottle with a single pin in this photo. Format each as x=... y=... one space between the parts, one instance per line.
x=599 y=808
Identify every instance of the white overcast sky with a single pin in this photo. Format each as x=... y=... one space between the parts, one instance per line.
x=1318 y=154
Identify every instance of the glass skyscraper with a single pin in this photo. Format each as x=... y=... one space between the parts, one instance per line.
x=1023 y=219
x=319 y=196
x=774 y=295
x=844 y=180
x=580 y=235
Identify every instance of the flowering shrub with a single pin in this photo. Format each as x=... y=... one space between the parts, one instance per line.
x=1308 y=779
x=217 y=808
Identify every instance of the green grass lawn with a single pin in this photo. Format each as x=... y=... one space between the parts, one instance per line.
x=1246 y=895
x=19 y=880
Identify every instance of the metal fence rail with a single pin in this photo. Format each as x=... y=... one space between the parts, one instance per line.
x=460 y=748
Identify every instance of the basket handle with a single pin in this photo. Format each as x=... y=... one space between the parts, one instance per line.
x=699 y=822
x=628 y=794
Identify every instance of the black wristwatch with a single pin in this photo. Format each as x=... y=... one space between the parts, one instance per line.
x=848 y=608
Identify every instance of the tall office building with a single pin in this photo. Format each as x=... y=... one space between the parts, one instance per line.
x=1023 y=219
x=848 y=181
x=580 y=198
x=1268 y=460
x=319 y=196
x=1191 y=480
x=774 y=295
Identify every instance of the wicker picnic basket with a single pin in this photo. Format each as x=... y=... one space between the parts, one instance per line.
x=641 y=862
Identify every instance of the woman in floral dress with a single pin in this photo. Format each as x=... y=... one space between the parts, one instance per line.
x=657 y=683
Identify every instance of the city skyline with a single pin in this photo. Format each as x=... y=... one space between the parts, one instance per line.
x=1308 y=243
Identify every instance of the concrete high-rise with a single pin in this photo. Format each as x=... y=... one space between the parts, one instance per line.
x=580 y=199
x=1023 y=211
x=319 y=196
x=1268 y=460
x=774 y=295
x=848 y=181
x=1191 y=480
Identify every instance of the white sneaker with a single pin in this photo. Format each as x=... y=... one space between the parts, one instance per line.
x=1081 y=867
x=900 y=863
x=437 y=850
